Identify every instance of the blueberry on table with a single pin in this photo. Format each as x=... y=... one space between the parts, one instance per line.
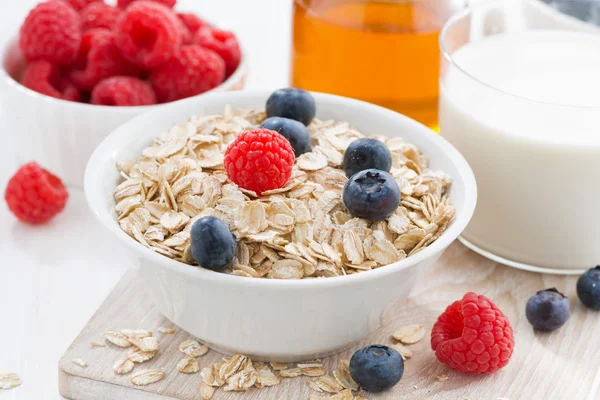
x=547 y=310
x=367 y=153
x=588 y=288
x=213 y=244
x=376 y=368
x=294 y=131
x=292 y=103
x=371 y=194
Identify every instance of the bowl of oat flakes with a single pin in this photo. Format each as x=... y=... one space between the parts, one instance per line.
x=307 y=279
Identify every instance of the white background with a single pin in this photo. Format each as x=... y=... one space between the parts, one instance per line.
x=53 y=278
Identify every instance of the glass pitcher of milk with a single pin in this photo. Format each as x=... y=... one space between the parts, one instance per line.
x=520 y=99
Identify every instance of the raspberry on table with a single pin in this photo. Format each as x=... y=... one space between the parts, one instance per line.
x=148 y=34
x=34 y=195
x=224 y=43
x=99 y=15
x=99 y=58
x=78 y=5
x=259 y=160
x=123 y=91
x=126 y=3
x=51 y=32
x=473 y=336
x=192 y=71
x=192 y=21
x=46 y=78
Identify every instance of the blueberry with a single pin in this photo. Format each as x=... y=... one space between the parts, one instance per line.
x=292 y=103
x=295 y=132
x=376 y=368
x=588 y=288
x=213 y=244
x=367 y=153
x=371 y=194
x=547 y=310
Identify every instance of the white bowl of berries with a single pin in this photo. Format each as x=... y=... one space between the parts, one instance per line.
x=79 y=69
x=283 y=238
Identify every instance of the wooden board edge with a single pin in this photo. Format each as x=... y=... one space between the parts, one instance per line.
x=73 y=387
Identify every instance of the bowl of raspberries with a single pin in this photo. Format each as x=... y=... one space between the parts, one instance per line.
x=80 y=68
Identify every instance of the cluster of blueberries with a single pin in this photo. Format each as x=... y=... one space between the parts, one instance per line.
x=370 y=193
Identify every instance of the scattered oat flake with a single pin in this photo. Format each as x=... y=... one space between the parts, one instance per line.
x=442 y=378
x=166 y=331
x=404 y=351
x=9 y=380
x=314 y=386
x=342 y=375
x=149 y=343
x=80 y=362
x=146 y=377
x=278 y=366
x=291 y=373
x=124 y=366
x=265 y=377
x=118 y=339
x=96 y=343
x=409 y=334
x=136 y=333
x=329 y=384
x=206 y=391
x=192 y=348
x=139 y=356
x=188 y=365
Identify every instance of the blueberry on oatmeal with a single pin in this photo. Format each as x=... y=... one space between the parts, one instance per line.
x=371 y=194
x=292 y=103
x=213 y=244
x=294 y=131
x=367 y=153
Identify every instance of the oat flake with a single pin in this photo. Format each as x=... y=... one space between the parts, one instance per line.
x=409 y=334
x=146 y=377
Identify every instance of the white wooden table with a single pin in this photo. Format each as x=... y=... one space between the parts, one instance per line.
x=53 y=278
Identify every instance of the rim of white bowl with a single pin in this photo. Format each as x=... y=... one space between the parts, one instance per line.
x=237 y=76
x=97 y=202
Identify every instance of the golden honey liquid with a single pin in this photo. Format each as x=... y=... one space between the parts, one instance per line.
x=383 y=52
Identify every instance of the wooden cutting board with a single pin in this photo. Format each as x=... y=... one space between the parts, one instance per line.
x=561 y=365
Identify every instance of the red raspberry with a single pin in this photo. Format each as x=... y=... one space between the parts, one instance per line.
x=187 y=37
x=99 y=58
x=34 y=195
x=45 y=78
x=148 y=34
x=78 y=5
x=123 y=91
x=51 y=32
x=473 y=336
x=224 y=43
x=192 y=71
x=125 y=3
x=259 y=160
x=99 y=15
x=192 y=21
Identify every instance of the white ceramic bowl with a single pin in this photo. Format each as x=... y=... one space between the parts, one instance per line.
x=61 y=135
x=273 y=319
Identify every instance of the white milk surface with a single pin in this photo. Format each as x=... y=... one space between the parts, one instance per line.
x=536 y=151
